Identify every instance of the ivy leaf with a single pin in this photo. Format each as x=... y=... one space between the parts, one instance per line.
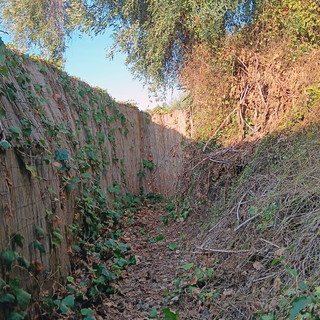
x=68 y=301
x=153 y=314
x=120 y=262
x=17 y=315
x=26 y=131
x=23 y=297
x=172 y=246
x=298 y=305
x=38 y=245
x=88 y=313
x=209 y=272
x=42 y=142
x=23 y=262
x=170 y=314
x=268 y=317
x=32 y=170
x=15 y=130
x=4 y=71
x=39 y=231
x=70 y=186
x=114 y=189
x=132 y=260
x=159 y=237
x=108 y=274
x=3 y=113
x=7 y=297
x=64 y=308
x=61 y=154
x=293 y=272
x=5 y=145
x=8 y=257
x=187 y=267
x=18 y=239
x=57 y=235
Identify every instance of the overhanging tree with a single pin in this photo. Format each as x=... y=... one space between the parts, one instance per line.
x=156 y=35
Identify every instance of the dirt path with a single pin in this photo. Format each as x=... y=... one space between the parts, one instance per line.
x=150 y=286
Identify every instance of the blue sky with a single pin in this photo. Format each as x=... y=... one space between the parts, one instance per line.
x=86 y=59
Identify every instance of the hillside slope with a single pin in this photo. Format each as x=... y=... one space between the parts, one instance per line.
x=264 y=243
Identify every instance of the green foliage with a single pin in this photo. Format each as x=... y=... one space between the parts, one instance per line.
x=62 y=154
x=17 y=315
x=56 y=238
x=155 y=35
x=4 y=145
x=170 y=314
x=98 y=227
x=187 y=266
x=294 y=20
x=18 y=239
x=38 y=22
x=173 y=246
x=313 y=92
x=153 y=314
x=148 y=164
x=23 y=297
x=13 y=298
x=7 y=258
x=38 y=245
x=178 y=211
x=88 y=314
x=3 y=68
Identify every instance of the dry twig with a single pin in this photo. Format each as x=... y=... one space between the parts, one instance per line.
x=269 y=242
x=245 y=222
x=222 y=250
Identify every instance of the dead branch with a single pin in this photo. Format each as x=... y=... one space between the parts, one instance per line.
x=239 y=205
x=239 y=60
x=2 y=133
x=244 y=121
x=266 y=277
x=269 y=242
x=222 y=250
x=261 y=95
x=219 y=128
x=245 y=222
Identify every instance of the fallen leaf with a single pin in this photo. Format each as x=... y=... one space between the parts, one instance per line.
x=38 y=267
x=7 y=213
x=258 y=266
x=279 y=253
x=228 y=292
x=196 y=291
x=277 y=284
x=56 y=164
x=56 y=96
x=8 y=180
x=194 y=280
x=56 y=220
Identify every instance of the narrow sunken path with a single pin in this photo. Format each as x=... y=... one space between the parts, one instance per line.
x=150 y=286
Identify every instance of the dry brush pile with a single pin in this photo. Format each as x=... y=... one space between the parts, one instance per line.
x=263 y=242
x=244 y=92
